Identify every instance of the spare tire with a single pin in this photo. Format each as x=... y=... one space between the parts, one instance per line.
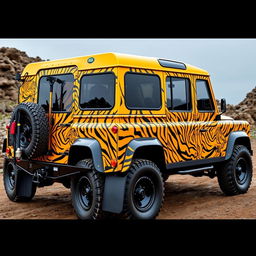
x=34 y=129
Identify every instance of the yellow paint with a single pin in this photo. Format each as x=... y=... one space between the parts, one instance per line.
x=106 y=60
x=178 y=132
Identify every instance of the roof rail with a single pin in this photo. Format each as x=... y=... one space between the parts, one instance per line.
x=172 y=64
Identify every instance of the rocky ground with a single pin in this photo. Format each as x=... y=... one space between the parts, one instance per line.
x=186 y=197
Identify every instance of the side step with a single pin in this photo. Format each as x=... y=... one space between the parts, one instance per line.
x=190 y=171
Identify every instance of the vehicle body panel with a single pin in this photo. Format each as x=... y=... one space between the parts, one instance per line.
x=184 y=135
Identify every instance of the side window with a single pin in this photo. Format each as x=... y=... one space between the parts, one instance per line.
x=204 y=99
x=62 y=96
x=178 y=94
x=44 y=93
x=97 y=91
x=142 y=91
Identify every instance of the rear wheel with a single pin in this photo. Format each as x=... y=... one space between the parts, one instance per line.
x=87 y=192
x=236 y=175
x=10 y=176
x=144 y=190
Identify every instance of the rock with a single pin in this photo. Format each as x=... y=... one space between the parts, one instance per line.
x=4 y=81
x=245 y=110
x=8 y=108
x=249 y=95
x=11 y=91
x=2 y=107
x=5 y=67
x=2 y=93
x=12 y=54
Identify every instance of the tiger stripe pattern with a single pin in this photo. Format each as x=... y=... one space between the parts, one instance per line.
x=178 y=132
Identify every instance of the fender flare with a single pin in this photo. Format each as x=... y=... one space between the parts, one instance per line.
x=94 y=146
x=134 y=145
x=114 y=188
x=233 y=138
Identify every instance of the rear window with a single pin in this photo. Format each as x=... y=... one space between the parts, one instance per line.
x=97 y=91
x=142 y=91
x=62 y=96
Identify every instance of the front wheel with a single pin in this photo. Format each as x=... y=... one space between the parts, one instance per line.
x=144 y=191
x=236 y=175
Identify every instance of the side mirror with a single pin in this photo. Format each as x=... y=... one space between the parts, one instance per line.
x=223 y=106
x=18 y=76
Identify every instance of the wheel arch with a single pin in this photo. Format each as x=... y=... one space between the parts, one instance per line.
x=86 y=148
x=237 y=138
x=144 y=148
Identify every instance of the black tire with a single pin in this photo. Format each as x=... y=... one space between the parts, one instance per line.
x=10 y=173
x=34 y=129
x=87 y=192
x=236 y=175
x=144 y=191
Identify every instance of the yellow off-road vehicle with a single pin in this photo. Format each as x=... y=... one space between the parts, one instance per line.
x=113 y=127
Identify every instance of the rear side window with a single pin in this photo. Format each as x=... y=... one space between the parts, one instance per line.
x=204 y=99
x=178 y=94
x=97 y=91
x=142 y=91
x=62 y=96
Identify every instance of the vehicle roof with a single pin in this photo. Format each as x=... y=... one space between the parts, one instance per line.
x=105 y=60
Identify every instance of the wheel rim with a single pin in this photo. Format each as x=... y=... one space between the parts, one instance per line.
x=241 y=171
x=25 y=132
x=85 y=193
x=144 y=193
x=11 y=176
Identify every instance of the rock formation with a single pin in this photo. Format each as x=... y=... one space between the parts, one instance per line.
x=12 y=61
x=245 y=110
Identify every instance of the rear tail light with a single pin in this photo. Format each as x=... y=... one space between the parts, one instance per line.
x=13 y=127
x=113 y=163
x=114 y=129
x=8 y=151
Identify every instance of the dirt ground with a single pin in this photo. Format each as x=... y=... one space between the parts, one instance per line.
x=186 y=197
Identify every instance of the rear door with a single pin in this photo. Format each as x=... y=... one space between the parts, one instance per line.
x=180 y=110
x=58 y=104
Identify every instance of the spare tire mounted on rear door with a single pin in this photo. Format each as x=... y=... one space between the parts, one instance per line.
x=33 y=129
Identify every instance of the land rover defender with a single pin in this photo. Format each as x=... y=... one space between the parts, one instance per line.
x=113 y=127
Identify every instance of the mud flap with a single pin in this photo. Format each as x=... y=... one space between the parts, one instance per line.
x=113 y=197
x=23 y=184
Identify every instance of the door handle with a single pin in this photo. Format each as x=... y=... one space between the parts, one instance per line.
x=203 y=130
